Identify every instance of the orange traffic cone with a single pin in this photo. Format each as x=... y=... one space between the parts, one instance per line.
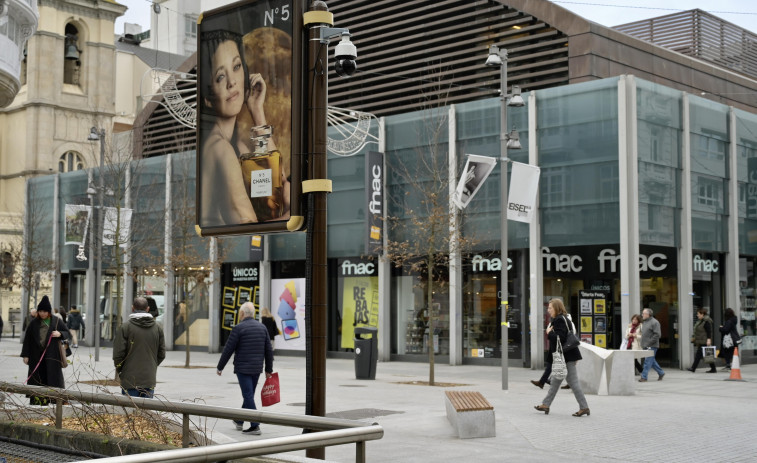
x=735 y=367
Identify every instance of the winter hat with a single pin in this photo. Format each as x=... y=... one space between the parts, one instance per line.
x=44 y=305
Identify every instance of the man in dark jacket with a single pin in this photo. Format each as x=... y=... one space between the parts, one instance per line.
x=250 y=344
x=138 y=349
x=74 y=323
x=650 y=340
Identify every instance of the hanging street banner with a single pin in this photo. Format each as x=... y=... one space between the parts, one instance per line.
x=476 y=171
x=524 y=184
x=109 y=226
x=77 y=223
x=374 y=198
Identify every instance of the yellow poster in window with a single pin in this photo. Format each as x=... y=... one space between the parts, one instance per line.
x=599 y=306
x=600 y=340
x=586 y=324
x=359 y=307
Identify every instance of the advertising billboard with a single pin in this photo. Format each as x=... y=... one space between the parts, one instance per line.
x=249 y=118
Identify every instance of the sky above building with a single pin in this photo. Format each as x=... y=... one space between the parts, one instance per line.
x=743 y=13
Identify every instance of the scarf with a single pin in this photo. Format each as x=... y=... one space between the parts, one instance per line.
x=630 y=339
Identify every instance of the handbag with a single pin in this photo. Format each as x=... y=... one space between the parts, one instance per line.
x=65 y=351
x=271 y=392
x=559 y=367
x=571 y=340
x=708 y=353
x=727 y=341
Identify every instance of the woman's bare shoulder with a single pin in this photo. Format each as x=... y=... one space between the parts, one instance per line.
x=216 y=148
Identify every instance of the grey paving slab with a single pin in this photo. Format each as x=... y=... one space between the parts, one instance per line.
x=686 y=417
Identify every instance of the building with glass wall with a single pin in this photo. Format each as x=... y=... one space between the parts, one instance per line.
x=644 y=201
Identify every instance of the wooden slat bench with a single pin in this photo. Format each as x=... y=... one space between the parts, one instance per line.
x=470 y=414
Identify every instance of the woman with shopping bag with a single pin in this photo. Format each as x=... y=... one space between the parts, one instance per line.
x=729 y=330
x=557 y=334
x=702 y=337
x=632 y=340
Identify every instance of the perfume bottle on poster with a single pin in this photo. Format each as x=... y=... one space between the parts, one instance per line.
x=262 y=175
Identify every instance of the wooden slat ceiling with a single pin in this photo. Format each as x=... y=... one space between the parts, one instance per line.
x=418 y=53
x=701 y=35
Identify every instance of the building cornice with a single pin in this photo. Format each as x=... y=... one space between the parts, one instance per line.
x=45 y=104
x=101 y=10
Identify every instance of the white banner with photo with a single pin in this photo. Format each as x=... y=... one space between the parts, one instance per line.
x=77 y=223
x=524 y=184
x=112 y=216
x=476 y=171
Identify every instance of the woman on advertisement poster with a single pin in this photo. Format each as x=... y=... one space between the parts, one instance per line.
x=243 y=179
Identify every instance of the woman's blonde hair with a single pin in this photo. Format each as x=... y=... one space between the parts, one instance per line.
x=558 y=306
x=265 y=312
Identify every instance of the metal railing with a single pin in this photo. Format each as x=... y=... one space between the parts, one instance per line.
x=323 y=432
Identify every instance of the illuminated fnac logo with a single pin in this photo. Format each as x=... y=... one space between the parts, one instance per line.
x=361 y=268
x=489 y=265
x=705 y=265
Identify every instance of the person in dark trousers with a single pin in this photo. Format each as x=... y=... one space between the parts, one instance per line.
x=702 y=337
x=41 y=350
x=251 y=345
x=729 y=329
x=138 y=348
x=650 y=340
x=1 y=327
x=74 y=323
x=548 y=369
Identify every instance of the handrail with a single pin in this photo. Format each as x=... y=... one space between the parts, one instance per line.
x=328 y=431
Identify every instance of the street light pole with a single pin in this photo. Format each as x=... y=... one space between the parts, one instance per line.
x=498 y=57
x=93 y=136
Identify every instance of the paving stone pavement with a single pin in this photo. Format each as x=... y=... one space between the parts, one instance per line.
x=687 y=417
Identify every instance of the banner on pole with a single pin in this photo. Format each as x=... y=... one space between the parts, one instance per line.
x=477 y=169
x=524 y=184
x=77 y=223
x=109 y=227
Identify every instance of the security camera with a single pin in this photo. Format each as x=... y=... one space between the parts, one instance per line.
x=345 y=55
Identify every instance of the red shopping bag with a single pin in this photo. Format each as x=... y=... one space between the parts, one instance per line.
x=271 y=393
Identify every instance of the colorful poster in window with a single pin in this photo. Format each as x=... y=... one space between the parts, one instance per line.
x=359 y=307
x=243 y=295
x=586 y=323
x=599 y=306
x=586 y=338
x=229 y=319
x=586 y=306
x=600 y=324
x=229 y=297
x=600 y=340
x=288 y=307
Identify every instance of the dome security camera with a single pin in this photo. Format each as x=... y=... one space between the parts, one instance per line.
x=345 y=55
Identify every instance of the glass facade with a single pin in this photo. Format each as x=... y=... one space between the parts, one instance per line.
x=578 y=135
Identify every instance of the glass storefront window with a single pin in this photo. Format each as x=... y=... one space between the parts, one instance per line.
x=748 y=299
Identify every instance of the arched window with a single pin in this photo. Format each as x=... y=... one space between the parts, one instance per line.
x=71 y=56
x=70 y=162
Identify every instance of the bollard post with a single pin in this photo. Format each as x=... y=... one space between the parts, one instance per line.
x=185 y=430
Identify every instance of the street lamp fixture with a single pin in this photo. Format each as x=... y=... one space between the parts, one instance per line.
x=498 y=57
x=95 y=135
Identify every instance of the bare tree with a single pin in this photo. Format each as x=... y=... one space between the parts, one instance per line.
x=420 y=236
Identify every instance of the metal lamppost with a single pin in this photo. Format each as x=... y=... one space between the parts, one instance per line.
x=498 y=57
x=94 y=135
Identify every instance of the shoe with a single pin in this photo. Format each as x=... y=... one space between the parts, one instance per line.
x=661 y=376
x=567 y=386
x=239 y=426
x=642 y=380
x=542 y=408
x=538 y=384
x=691 y=370
x=254 y=431
x=75 y=346
x=728 y=367
x=582 y=412
x=711 y=371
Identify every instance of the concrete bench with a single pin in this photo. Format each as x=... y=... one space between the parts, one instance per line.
x=608 y=372
x=470 y=414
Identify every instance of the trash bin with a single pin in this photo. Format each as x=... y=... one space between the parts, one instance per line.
x=366 y=352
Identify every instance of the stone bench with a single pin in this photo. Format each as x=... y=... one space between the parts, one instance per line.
x=608 y=372
x=470 y=414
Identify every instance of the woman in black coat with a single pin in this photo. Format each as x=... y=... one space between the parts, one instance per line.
x=730 y=326
x=560 y=329
x=41 y=350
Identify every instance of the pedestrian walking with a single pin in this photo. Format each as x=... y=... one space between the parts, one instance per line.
x=559 y=329
x=250 y=343
x=138 y=349
x=74 y=323
x=729 y=330
x=633 y=339
x=703 y=330
x=650 y=340
x=266 y=318
x=41 y=350
x=548 y=368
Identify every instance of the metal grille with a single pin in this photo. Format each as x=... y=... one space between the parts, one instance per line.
x=17 y=453
x=701 y=35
